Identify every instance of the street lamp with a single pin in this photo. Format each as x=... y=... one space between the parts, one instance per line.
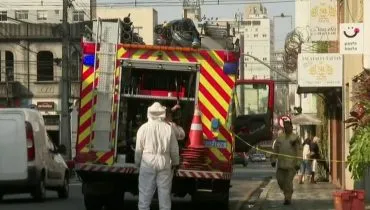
x=269 y=67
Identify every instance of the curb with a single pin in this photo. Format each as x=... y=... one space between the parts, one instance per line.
x=263 y=197
x=249 y=195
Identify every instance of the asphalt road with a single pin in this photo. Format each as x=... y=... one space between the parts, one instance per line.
x=244 y=181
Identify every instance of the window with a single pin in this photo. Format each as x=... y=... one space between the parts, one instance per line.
x=256 y=23
x=75 y=66
x=21 y=14
x=249 y=23
x=256 y=29
x=255 y=35
x=42 y=15
x=9 y=65
x=56 y=12
x=264 y=35
x=257 y=100
x=3 y=15
x=78 y=16
x=45 y=66
x=264 y=59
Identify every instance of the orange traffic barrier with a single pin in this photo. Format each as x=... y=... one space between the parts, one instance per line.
x=196 y=132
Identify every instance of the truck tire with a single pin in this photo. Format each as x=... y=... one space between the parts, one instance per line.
x=116 y=201
x=224 y=201
x=39 y=193
x=63 y=191
x=93 y=202
x=219 y=202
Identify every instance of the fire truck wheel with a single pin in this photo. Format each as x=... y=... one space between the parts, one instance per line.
x=220 y=202
x=93 y=202
x=224 y=202
x=116 y=201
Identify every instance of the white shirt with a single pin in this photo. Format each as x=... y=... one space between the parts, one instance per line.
x=306 y=151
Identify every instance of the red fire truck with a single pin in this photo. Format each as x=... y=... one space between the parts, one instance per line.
x=119 y=82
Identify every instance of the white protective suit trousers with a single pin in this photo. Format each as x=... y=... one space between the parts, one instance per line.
x=149 y=181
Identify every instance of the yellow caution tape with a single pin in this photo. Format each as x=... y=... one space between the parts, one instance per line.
x=284 y=155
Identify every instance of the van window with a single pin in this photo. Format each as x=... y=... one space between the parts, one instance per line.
x=49 y=143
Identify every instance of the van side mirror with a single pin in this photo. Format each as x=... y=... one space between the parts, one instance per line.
x=62 y=149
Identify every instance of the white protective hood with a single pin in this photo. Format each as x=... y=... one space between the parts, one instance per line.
x=156 y=112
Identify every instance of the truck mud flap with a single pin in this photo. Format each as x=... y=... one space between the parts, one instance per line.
x=203 y=174
x=106 y=168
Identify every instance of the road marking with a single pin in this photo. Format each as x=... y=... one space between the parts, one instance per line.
x=75 y=184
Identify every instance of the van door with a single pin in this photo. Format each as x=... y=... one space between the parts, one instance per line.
x=13 y=146
x=52 y=174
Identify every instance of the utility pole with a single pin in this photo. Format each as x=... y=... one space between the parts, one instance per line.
x=65 y=128
x=241 y=73
x=7 y=85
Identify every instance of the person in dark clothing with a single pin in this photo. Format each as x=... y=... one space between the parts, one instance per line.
x=315 y=156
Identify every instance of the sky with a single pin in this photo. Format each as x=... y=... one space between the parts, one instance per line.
x=282 y=25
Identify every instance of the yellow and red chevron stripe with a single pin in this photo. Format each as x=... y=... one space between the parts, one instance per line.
x=215 y=90
x=87 y=118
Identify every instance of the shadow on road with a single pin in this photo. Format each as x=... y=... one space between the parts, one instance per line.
x=17 y=201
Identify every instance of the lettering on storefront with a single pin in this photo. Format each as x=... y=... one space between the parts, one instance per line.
x=45 y=106
x=47 y=90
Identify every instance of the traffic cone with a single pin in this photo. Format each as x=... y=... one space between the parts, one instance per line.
x=196 y=131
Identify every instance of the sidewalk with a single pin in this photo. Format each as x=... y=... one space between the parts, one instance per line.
x=305 y=197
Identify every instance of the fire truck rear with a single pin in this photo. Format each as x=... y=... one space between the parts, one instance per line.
x=119 y=82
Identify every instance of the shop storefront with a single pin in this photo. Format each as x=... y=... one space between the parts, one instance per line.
x=322 y=74
x=49 y=110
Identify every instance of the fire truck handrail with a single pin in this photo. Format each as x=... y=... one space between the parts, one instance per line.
x=156 y=47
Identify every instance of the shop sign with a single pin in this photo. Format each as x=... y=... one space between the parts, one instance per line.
x=45 y=106
x=323 y=20
x=320 y=70
x=351 y=38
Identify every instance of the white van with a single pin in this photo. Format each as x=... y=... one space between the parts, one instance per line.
x=29 y=161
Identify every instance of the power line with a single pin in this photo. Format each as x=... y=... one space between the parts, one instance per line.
x=160 y=3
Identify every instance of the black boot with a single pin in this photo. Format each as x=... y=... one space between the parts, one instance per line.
x=313 y=178
x=287 y=202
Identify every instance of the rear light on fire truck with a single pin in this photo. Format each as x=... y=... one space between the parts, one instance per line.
x=88 y=50
x=231 y=64
x=30 y=142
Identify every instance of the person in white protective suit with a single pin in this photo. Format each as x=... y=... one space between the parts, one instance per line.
x=156 y=154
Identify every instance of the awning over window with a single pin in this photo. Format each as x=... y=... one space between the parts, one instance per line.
x=306 y=119
x=302 y=90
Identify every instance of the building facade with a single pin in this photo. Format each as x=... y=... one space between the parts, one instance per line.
x=31 y=68
x=144 y=19
x=45 y=11
x=258 y=42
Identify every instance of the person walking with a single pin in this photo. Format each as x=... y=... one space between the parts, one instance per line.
x=288 y=152
x=156 y=154
x=306 y=163
x=279 y=133
x=315 y=156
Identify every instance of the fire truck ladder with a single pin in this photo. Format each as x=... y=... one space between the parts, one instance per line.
x=104 y=83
